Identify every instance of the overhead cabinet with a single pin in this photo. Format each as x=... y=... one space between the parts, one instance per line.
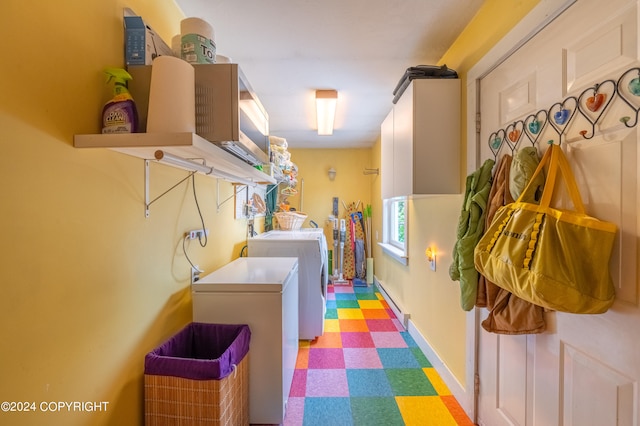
x=421 y=140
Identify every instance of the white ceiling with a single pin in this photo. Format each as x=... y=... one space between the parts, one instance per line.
x=361 y=48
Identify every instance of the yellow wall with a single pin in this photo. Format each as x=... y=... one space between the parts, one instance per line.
x=89 y=285
x=431 y=298
x=492 y=22
x=350 y=184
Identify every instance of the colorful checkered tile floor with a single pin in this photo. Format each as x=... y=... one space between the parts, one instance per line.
x=366 y=370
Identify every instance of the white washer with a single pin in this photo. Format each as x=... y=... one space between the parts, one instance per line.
x=309 y=245
x=262 y=293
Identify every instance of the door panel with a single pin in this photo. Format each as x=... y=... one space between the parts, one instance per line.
x=584 y=369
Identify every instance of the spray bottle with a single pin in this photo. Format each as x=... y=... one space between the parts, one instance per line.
x=120 y=114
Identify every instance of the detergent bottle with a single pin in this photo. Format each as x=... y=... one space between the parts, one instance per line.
x=120 y=114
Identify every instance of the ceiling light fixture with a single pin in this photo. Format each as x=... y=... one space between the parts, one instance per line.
x=326 y=101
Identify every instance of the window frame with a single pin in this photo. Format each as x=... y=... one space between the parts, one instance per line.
x=397 y=250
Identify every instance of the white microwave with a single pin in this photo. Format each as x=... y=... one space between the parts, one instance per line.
x=228 y=111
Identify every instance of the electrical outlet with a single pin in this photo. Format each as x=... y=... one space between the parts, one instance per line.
x=432 y=263
x=195 y=274
x=197 y=233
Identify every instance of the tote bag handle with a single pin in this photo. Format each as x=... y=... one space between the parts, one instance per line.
x=558 y=164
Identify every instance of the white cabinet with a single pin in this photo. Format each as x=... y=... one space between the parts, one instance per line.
x=310 y=247
x=261 y=292
x=386 y=156
x=421 y=140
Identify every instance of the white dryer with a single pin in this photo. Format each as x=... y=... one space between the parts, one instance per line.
x=309 y=245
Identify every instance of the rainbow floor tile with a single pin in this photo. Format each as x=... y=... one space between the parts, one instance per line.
x=366 y=370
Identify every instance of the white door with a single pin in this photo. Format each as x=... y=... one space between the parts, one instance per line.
x=585 y=369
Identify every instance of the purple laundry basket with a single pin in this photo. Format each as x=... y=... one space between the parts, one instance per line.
x=199 y=376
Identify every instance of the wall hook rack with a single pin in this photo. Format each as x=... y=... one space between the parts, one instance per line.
x=578 y=117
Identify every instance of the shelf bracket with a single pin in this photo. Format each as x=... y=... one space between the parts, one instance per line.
x=147 y=202
x=235 y=192
x=270 y=189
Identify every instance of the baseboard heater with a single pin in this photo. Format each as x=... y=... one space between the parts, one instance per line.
x=402 y=316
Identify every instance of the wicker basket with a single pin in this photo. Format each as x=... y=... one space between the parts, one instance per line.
x=172 y=400
x=200 y=376
x=290 y=221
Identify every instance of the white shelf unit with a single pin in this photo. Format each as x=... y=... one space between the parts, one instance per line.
x=188 y=146
x=185 y=145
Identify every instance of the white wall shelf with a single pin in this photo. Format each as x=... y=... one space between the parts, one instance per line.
x=188 y=146
x=185 y=145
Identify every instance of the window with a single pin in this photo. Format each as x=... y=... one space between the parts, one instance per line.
x=395 y=229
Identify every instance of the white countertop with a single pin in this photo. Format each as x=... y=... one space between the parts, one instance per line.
x=256 y=274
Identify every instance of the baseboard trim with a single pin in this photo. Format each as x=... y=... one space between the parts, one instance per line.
x=455 y=387
x=402 y=316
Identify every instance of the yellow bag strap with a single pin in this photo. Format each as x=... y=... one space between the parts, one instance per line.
x=555 y=158
x=559 y=164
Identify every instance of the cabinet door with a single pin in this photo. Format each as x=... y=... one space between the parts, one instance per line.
x=436 y=136
x=403 y=160
x=386 y=156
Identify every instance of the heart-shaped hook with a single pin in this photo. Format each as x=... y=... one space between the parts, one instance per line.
x=495 y=142
x=634 y=86
x=629 y=89
x=514 y=134
x=562 y=116
x=534 y=124
x=562 y=113
x=593 y=102
x=534 y=127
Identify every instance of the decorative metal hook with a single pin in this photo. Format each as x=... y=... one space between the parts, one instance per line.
x=592 y=104
x=496 y=139
x=632 y=88
x=593 y=107
x=514 y=133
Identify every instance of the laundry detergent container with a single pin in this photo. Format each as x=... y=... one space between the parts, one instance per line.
x=199 y=376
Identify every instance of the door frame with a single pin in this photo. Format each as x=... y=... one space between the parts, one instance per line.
x=539 y=17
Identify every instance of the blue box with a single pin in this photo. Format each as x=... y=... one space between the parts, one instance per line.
x=141 y=43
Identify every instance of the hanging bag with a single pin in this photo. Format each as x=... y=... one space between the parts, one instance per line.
x=557 y=259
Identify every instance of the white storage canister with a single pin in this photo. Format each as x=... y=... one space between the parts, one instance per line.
x=198 y=41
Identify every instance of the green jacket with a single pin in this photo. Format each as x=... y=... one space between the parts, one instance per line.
x=469 y=232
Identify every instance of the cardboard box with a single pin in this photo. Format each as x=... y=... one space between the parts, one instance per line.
x=141 y=43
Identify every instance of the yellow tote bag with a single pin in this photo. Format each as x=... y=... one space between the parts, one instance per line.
x=558 y=259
